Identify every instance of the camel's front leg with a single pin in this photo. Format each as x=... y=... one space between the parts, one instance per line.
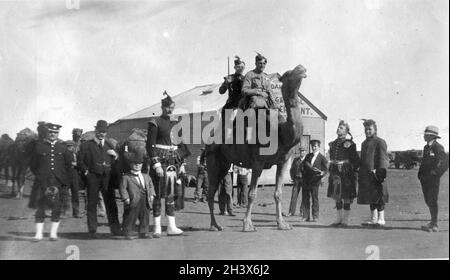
x=248 y=225
x=281 y=168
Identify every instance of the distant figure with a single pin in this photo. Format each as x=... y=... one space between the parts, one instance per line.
x=372 y=174
x=296 y=172
x=315 y=168
x=74 y=180
x=242 y=185
x=202 y=179
x=225 y=194
x=433 y=165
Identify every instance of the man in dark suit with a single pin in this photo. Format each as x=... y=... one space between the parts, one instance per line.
x=315 y=168
x=433 y=166
x=50 y=163
x=95 y=161
x=137 y=192
x=296 y=173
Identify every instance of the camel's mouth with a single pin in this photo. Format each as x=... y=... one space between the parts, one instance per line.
x=300 y=71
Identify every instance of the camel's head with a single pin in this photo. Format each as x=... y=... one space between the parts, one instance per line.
x=292 y=80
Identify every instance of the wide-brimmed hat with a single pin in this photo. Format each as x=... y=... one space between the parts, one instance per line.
x=102 y=126
x=432 y=130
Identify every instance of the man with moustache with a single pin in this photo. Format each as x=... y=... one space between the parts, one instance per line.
x=95 y=161
x=50 y=163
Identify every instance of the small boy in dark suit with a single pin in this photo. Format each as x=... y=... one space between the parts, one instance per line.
x=137 y=192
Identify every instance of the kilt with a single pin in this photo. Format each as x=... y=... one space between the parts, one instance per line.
x=344 y=175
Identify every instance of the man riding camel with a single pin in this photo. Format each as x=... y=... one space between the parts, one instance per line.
x=233 y=84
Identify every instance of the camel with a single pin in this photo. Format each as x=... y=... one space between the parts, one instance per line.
x=5 y=143
x=221 y=156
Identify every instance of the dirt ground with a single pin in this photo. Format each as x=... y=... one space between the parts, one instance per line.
x=400 y=238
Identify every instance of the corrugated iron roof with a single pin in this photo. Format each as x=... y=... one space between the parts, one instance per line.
x=200 y=99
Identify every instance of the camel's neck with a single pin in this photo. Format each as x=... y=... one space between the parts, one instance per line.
x=293 y=114
x=292 y=104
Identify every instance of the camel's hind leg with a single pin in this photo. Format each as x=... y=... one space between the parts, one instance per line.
x=281 y=170
x=248 y=225
x=216 y=172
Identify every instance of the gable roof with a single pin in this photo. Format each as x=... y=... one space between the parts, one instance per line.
x=201 y=99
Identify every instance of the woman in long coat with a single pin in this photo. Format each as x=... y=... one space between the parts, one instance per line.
x=372 y=174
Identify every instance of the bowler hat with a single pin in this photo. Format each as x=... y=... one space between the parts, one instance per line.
x=102 y=126
x=432 y=130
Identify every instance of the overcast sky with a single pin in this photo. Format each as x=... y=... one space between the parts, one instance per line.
x=386 y=60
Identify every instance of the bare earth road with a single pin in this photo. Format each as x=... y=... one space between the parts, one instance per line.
x=401 y=238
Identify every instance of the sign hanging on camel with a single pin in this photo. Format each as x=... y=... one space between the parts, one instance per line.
x=275 y=85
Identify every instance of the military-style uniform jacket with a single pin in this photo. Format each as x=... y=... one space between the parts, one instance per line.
x=434 y=159
x=372 y=187
x=160 y=147
x=252 y=86
x=51 y=160
x=50 y=163
x=234 y=90
x=344 y=163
